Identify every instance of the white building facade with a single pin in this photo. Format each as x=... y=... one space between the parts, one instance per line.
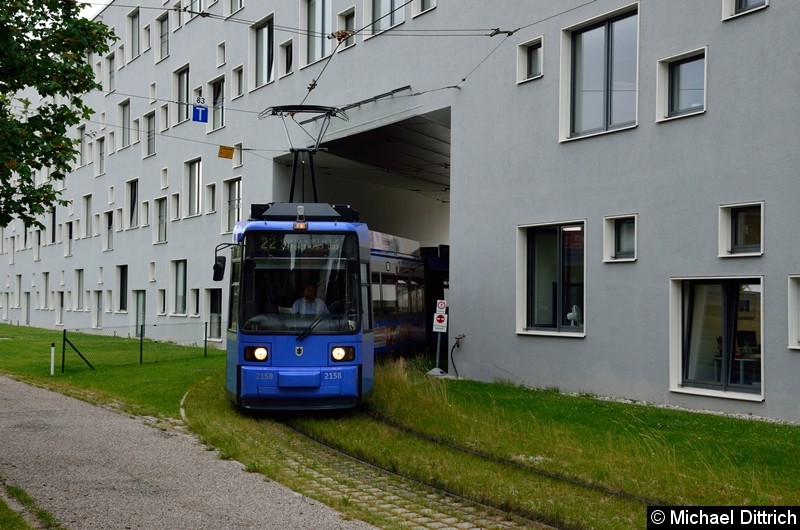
x=613 y=178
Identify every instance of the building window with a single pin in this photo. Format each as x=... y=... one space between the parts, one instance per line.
x=132 y=192
x=82 y=145
x=211 y=197
x=734 y=8
x=79 y=296
x=529 y=60
x=182 y=93
x=195 y=8
x=237 y=155
x=347 y=22
x=218 y=104
x=221 y=54
x=163 y=31
x=179 y=276
x=164 y=117
x=603 y=75
x=215 y=313
x=741 y=229
x=100 y=156
x=554 y=274
x=125 y=120
x=681 y=85
x=794 y=312
x=111 y=65
x=264 y=55
x=193 y=183
x=108 y=233
x=122 y=277
x=150 y=127
x=233 y=192
x=420 y=6
x=234 y=6
x=720 y=332
x=68 y=236
x=318 y=28
x=146 y=42
x=237 y=86
x=619 y=238
x=134 y=47
x=87 y=215
x=687 y=85
x=386 y=14
x=161 y=220
x=287 y=54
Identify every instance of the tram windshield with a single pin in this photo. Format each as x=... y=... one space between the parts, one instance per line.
x=300 y=283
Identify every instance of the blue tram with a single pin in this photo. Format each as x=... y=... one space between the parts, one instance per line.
x=398 y=293
x=300 y=332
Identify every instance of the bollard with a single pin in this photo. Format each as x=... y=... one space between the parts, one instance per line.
x=52 y=358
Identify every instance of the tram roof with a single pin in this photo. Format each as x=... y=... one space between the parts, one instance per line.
x=311 y=211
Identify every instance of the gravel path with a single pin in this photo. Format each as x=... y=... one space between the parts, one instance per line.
x=92 y=468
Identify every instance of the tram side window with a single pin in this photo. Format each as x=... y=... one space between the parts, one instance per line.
x=417 y=295
x=403 y=297
x=376 y=294
x=388 y=294
x=233 y=305
x=365 y=301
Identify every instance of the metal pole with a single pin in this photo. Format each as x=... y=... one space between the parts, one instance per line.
x=52 y=358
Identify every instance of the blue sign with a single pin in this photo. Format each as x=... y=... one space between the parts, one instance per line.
x=200 y=113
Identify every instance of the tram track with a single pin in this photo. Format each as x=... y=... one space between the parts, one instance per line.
x=440 y=508
x=516 y=514
x=404 y=501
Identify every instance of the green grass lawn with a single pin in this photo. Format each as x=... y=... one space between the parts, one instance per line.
x=643 y=452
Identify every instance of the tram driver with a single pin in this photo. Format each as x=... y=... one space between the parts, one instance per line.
x=309 y=304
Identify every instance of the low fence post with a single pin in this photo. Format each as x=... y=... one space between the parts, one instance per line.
x=141 y=343
x=205 y=339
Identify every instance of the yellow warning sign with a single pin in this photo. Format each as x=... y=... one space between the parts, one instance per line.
x=225 y=151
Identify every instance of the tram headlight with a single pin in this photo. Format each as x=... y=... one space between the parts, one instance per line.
x=256 y=353
x=343 y=353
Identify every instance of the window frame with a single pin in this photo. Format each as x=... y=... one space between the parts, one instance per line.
x=180 y=285
x=727 y=231
x=216 y=89
x=149 y=145
x=193 y=185
x=125 y=123
x=163 y=37
x=396 y=9
x=263 y=55
x=182 y=95
x=611 y=252
x=734 y=8
x=134 y=34
x=664 y=82
x=525 y=292
x=317 y=44
x=346 y=21
x=677 y=346
x=567 y=90
x=523 y=59
x=233 y=203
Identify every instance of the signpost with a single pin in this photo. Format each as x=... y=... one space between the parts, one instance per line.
x=439 y=326
x=200 y=113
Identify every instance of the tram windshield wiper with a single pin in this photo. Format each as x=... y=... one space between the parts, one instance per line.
x=303 y=334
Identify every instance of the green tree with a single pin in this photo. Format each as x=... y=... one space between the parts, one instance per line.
x=44 y=72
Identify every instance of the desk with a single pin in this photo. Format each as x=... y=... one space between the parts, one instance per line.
x=743 y=362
